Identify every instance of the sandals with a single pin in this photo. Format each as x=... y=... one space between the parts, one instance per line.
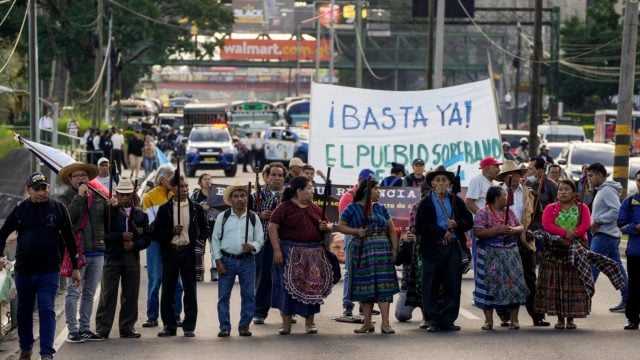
x=364 y=329
x=514 y=326
x=284 y=330
x=387 y=330
x=311 y=328
x=487 y=326
x=559 y=325
x=571 y=325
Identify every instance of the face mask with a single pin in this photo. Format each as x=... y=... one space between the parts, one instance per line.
x=531 y=178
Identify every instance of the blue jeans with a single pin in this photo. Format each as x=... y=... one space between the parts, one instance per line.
x=90 y=276
x=148 y=164
x=346 y=278
x=609 y=246
x=246 y=271
x=154 y=275
x=42 y=287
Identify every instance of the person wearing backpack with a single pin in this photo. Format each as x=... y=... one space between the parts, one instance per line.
x=234 y=242
x=395 y=179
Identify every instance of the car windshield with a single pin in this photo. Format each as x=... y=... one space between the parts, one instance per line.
x=209 y=135
x=564 y=137
x=592 y=155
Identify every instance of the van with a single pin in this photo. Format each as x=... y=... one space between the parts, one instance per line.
x=561 y=133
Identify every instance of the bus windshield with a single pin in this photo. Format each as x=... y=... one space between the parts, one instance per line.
x=252 y=114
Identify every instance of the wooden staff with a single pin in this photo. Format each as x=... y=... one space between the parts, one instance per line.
x=509 y=203
x=177 y=175
x=111 y=176
x=246 y=225
x=256 y=204
x=135 y=193
x=367 y=213
x=327 y=194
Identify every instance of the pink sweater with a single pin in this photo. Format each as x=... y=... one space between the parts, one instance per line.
x=550 y=215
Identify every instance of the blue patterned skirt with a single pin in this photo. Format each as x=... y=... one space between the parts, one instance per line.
x=499 y=279
x=373 y=273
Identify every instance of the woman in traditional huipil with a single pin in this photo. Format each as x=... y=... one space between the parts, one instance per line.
x=499 y=279
x=302 y=275
x=372 y=252
x=560 y=291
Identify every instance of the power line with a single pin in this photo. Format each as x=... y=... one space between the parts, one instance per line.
x=8 y=11
x=94 y=89
x=145 y=16
x=15 y=45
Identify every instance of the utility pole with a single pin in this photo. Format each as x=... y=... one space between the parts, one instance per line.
x=107 y=93
x=34 y=93
x=625 y=94
x=438 y=62
x=359 y=43
x=432 y=10
x=518 y=62
x=298 y=43
x=318 y=35
x=332 y=35
x=97 y=99
x=536 y=95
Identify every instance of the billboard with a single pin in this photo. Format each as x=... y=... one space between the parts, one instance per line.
x=268 y=49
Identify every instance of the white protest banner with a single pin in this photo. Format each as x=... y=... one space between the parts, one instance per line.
x=353 y=128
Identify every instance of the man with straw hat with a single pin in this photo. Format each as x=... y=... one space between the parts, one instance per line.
x=523 y=205
x=88 y=212
x=235 y=241
x=129 y=233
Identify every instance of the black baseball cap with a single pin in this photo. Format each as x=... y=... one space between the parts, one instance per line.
x=36 y=180
x=418 y=161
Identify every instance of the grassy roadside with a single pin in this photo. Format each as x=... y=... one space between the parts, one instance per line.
x=7 y=142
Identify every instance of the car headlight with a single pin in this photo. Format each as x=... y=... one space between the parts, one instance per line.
x=192 y=150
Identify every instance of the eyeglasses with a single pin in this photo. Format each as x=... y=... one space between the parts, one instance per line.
x=79 y=176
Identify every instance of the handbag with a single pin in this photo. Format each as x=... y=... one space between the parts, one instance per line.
x=66 y=268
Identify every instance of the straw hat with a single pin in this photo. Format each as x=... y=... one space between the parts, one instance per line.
x=65 y=172
x=125 y=186
x=296 y=161
x=440 y=170
x=230 y=189
x=510 y=166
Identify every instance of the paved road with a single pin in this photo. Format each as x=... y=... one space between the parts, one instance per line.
x=599 y=336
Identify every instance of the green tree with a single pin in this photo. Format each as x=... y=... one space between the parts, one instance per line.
x=594 y=42
x=145 y=32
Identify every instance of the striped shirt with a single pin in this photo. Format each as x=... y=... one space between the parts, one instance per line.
x=269 y=200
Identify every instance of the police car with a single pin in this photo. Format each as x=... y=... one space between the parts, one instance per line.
x=283 y=144
x=210 y=147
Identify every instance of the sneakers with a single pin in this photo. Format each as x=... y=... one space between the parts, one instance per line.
x=46 y=357
x=74 y=338
x=347 y=312
x=618 y=308
x=91 y=336
x=25 y=355
x=258 y=320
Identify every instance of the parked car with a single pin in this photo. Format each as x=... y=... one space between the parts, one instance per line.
x=576 y=154
x=555 y=148
x=561 y=133
x=282 y=144
x=634 y=166
x=210 y=147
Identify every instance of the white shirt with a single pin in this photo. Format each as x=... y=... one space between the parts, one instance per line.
x=234 y=231
x=96 y=142
x=72 y=128
x=518 y=202
x=477 y=190
x=183 y=237
x=117 y=140
x=45 y=123
x=258 y=144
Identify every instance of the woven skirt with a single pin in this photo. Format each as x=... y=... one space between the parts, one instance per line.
x=499 y=278
x=373 y=273
x=559 y=291
x=289 y=292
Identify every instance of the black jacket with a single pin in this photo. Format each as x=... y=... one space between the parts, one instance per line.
x=427 y=225
x=138 y=225
x=163 y=225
